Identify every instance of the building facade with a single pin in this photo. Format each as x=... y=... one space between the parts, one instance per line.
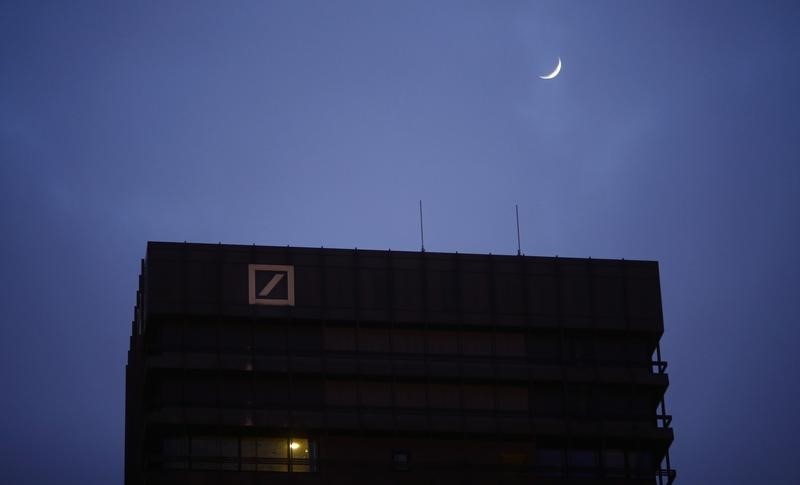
x=255 y=365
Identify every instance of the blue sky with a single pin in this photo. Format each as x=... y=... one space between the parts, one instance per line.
x=670 y=134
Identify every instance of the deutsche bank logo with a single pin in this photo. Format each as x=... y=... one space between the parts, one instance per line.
x=271 y=284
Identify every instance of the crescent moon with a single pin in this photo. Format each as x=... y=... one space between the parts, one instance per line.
x=554 y=73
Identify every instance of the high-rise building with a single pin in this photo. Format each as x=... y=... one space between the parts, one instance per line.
x=254 y=365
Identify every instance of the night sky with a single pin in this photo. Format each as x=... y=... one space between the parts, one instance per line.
x=671 y=134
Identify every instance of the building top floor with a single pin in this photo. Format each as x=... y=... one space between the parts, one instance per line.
x=400 y=286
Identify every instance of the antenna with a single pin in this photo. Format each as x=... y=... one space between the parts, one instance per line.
x=519 y=245
x=421 y=231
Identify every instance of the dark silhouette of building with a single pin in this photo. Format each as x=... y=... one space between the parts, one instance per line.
x=255 y=365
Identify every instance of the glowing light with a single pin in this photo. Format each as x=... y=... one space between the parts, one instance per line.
x=294 y=445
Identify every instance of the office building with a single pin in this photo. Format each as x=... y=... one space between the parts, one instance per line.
x=255 y=365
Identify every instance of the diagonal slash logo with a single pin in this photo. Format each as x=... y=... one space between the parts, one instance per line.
x=271 y=284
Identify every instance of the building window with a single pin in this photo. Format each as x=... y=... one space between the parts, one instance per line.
x=641 y=463
x=204 y=453
x=444 y=396
x=262 y=454
x=271 y=454
x=614 y=463
x=408 y=341
x=410 y=395
x=549 y=461
x=442 y=343
x=339 y=339
x=512 y=398
x=477 y=398
x=341 y=393
x=376 y=393
x=373 y=340
x=400 y=460
x=229 y=450
x=168 y=337
x=200 y=337
x=582 y=462
x=476 y=343
x=547 y=400
x=176 y=452
x=301 y=452
x=508 y=344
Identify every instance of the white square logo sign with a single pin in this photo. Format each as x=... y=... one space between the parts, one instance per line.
x=271 y=284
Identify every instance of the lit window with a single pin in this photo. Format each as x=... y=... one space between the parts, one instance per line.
x=272 y=454
x=265 y=454
x=302 y=453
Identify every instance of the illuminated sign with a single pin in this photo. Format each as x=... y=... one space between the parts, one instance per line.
x=271 y=284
